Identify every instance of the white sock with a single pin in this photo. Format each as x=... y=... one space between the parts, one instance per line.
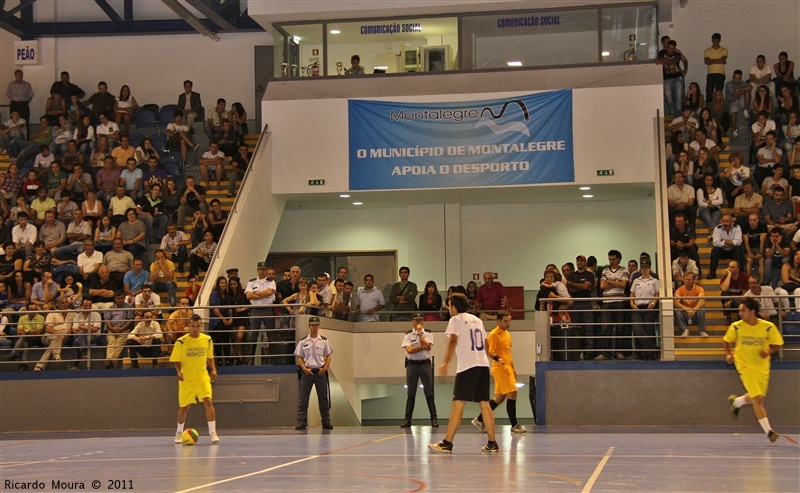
x=740 y=401
x=212 y=427
x=764 y=422
x=180 y=427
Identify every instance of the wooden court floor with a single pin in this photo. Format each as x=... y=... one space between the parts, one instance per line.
x=391 y=459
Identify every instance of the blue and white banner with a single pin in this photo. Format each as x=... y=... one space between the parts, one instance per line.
x=511 y=141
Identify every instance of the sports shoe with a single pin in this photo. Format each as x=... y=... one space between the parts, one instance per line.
x=443 y=446
x=434 y=422
x=326 y=425
x=734 y=409
x=490 y=447
x=773 y=437
x=600 y=357
x=479 y=425
x=300 y=426
x=214 y=438
x=736 y=132
x=685 y=333
x=518 y=428
x=178 y=437
x=619 y=356
x=406 y=423
x=703 y=334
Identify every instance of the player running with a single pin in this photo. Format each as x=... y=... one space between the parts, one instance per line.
x=193 y=356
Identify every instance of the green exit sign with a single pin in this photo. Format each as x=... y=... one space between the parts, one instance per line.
x=314 y=183
x=605 y=172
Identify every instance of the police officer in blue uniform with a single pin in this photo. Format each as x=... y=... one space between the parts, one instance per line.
x=417 y=343
x=313 y=355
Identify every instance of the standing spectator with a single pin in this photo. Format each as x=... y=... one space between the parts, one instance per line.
x=615 y=335
x=220 y=321
x=403 y=297
x=430 y=302
x=369 y=301
x=20 y=93
x=261 y=293
x=670 y=60
x=715 y=59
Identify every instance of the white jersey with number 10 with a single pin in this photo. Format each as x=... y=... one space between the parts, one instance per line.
x=471 y=347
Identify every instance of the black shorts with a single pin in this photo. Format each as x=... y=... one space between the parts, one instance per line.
x=472 y=385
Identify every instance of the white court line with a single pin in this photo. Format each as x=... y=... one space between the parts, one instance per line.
x=249 y=474
x=597 y=470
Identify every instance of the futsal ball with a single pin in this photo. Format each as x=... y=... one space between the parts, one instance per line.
x=190 y=436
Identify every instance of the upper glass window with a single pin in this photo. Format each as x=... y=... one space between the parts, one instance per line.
x=629 y=33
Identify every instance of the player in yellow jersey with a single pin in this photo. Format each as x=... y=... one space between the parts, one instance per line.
x=503 y=373
x=193 y=356
x=756 y=340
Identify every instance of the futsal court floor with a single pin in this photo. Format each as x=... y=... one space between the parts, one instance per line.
x=391 y=459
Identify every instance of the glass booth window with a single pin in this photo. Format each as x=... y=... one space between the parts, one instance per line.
x=530 y=38
x=393 y=46
x=629 y=33
x=299 y=50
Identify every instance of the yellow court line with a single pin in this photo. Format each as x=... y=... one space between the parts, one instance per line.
x=597 y=470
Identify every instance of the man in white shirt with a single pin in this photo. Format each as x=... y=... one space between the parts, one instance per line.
x=10 y=130
x=212 y=158
x=90 y=260
x=86 y=329
x=78 y=231
x=767 y=299
x=761 y=75
x=24 y=234
x=466 y=339
x=261 y=293
x=109 y=129
x=369 y=300
x=727 y=241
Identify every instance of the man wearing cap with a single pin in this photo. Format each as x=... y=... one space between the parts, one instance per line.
x=261 y=293
x=644 y=298
x=638 y=272
x=580 y=284
x=417 y=343
x=232 y=272
x=313 y=356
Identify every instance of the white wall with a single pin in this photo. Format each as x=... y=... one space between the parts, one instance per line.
x=153 y=66
x=748 y=29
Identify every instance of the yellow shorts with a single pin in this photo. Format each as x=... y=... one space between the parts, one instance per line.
x=192 y=392
x=754 y=383
x=505 y=379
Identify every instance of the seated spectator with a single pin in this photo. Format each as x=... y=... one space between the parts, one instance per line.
x=133 y=234
x=52 y=232
x=131 y=179
x=86 y=325
x=680 y=198
x=711 y=129
x=201 y=255
x=768 y=157
x=55 y=181
x=76 y=109
x=84 y=136
x=212 y=161
x=689 y=310
x=102 y=102
x=240 y=163
x=702 y=140
x=147 y=299
x=12 y=183
x=119 y=261
x=119 y=320
x=145 y=151
x=238 y=118
x=194 y=288
x=682 y=236
x=30 y=328
x=214 y=118
x=777 y=250
x=11 y=221
x=62 y=134
x=37 y=263
x=7 y=331
x=176 y=324
x=109 y=130
x=24 y=235
x=791 y=133
x=65 y=208
x=217 y=219
x=134 y=280
x=685 y=124
x=761 y=76
x=189 y=102
x=79 y=183
x=92 y=209
x=24 y=150
x=89 y=261
x=104 y=235
x=154 y=175
x=178 y=135
x=754 y=239
x=72 y=290
x=727 y=244
x=705 y=165
x=150 y=210
x=108 y=180
x=228 y=139
x=709 y=201
x=685 y=166
x=10 y=261
x=683 y=265
x=42 y=162
x=767 y=299
x=102 y=289
x=193 y=198
x=55 y=107
x=175 y=246
x=733 y=285
x=19 y=291
x=124 y=107
x=779 y=213
x=145 y=340
x=122 y=153
x=118 y=206
x=199 y=227
x=162 y=276
x=57 y=330
x=737 y=95
x=44 y=292
x=99 y=155
x=746 y=203
x=790 y=282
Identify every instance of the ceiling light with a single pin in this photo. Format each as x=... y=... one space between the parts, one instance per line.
x=358 y=203
x=585 y=188
x=335 y=31
x=296 y=39
x=515 y=63
x=344 y=195
x=588 y=196
x=606 y=53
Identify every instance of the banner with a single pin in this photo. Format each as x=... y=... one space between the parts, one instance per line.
x=511 y=141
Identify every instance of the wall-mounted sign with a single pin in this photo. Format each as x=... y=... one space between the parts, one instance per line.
x=27 y=52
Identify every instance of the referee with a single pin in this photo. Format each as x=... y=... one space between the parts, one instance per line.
x=417 y=343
